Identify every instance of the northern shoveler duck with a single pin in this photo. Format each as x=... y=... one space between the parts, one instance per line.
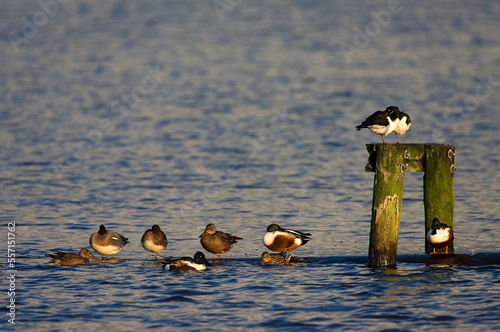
x=71 y=258
x=186 y=269
x=187 y=264
x=217 y=242
x=439 y=236
x=154 y=240
x=274 y=259
x=404 y=123
x=284 y=239
x=381 y=122
x=107 y=242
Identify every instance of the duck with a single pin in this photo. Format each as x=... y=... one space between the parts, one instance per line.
x=187 y=264
x=404 y=123
x=186 y=269
x=154 y=240
x=274 y=259
x=71 y=258
x=439 y=236
x=284 y=239
x=107 y=242
x=382 y=122
x=217 y=242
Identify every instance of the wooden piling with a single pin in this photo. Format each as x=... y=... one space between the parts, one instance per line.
x=386 y=205
x=390 y=162
x=439 y=188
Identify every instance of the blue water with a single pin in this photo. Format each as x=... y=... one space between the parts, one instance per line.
x=242 y=114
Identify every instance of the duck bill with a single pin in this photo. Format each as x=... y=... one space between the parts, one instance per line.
x=94 y=258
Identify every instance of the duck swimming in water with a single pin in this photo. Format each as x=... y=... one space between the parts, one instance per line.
x=71 y=258
x=187 y=264
x=274 y=259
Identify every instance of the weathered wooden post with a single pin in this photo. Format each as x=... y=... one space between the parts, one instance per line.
x=390 y=162
x=439 y=187
x=386 y=205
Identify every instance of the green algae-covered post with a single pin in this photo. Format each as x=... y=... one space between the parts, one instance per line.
x=386 y=205
x=439 y=188
x=390 y=162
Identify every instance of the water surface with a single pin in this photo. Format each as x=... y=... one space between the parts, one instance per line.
x=131 y=114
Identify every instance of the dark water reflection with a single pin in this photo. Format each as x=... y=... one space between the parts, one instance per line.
x=250 y=121
x=317 y=294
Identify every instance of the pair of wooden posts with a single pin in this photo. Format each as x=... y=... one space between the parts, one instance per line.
x=390 y=162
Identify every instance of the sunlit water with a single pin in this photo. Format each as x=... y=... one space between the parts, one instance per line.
x=182 y=114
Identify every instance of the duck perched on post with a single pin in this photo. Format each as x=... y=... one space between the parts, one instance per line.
x=217 y=242
x=382 y=122
x=154 y=240
x=187 y=264
x=71 y=258
x=439 y=236
x=284 y=239
x=107 y=242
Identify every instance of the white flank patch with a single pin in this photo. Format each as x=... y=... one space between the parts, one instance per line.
x=198 y=267
x=442 y=235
